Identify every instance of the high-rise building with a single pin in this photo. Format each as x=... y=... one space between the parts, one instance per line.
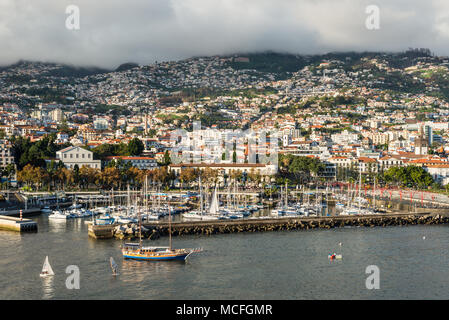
x=57 y=115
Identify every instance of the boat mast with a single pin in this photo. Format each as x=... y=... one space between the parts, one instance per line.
x=128 y=202
x=169 y=227
x=360 y=185
x=235 y=193
x=201 y=198
x=286 y=195
x=140 y=229
x=349 y=194
x=146 y=196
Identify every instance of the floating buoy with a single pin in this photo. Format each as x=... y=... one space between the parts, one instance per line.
x=424 y=238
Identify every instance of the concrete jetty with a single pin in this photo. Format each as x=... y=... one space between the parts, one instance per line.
x=17 y=224
x=153 y=230
x=100 y=231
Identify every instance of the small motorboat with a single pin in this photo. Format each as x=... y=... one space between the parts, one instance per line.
x=106 y=220
x=46 y=210
x=334 y=256
x=58 y=215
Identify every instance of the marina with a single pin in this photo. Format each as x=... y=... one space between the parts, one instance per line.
x=266 y=265
x=124 y=244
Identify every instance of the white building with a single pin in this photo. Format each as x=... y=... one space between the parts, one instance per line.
x=143 y=163
x=345 y=137
x=72 y=156
x=101 y=124
x=439 y=172
x=6 y=156
x=57 y=115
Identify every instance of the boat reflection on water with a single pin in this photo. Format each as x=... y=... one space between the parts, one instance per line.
x=137 y=271
x=57 y=225
x=48 y=288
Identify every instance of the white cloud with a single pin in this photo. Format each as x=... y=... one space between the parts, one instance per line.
x=115 y=31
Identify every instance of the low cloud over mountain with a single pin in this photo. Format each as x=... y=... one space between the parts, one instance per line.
x=115 y=31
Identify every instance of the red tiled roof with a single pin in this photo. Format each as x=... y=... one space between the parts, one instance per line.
x=366 y=159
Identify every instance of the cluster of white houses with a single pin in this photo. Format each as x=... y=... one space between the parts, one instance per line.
x=226 y=169
x=365 y=162
x=72 y=156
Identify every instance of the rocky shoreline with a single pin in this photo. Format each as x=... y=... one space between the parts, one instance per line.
x=155 y=231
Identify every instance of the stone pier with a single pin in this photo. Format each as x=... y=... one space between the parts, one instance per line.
x=154 y=230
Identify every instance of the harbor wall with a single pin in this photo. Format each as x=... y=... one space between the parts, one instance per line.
x=156 y=229
x=15 y=224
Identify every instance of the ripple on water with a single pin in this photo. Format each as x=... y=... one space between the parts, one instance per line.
x=270 y=265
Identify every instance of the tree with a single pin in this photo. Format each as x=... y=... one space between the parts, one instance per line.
x=34 y=153
x=88 y=176
x=26 y=175
x=76 y=174
x=32 y=176
x=254 y=176
x=8 y=172
x=300 y=169
x=187 y=175
x=209 y=176
x=110 y=178
x=161 y=175
x=136 y=176
x=105 y=150
x=410 y=176
x=167 y=159
x=135 y=147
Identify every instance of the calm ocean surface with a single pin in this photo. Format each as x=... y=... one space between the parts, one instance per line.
x=271 y=265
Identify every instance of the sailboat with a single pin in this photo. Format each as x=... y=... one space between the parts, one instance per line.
x=114 y=267
x=213 y=208
x=357 y=210
x=200 y=215
x=136 y=251
x=196 y=215
x=46 y=269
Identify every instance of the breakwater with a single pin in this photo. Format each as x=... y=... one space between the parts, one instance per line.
x=155 y=230
x=16 y=224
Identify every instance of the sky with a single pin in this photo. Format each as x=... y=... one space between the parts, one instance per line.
x=112 y=32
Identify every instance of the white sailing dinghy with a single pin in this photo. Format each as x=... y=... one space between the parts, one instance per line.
x=114 y=267
x=46 y=269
